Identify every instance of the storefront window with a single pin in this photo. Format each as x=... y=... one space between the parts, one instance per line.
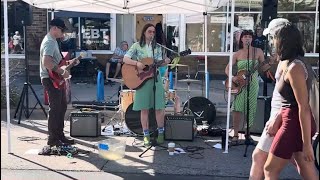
x=95 y=34
x=195 y=32
x=15 y=29
x=70 y=41
x=217 y=32
x=306 y=25
x=91 y=33
x=173 y=32
x=305 y=5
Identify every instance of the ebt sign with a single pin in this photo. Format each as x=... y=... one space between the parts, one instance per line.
x=94 y=33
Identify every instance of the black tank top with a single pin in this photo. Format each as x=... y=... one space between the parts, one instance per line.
x=287 y=95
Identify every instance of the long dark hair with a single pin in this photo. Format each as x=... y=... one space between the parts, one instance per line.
x=289 y=43
x=244 y=32
x=142 y=41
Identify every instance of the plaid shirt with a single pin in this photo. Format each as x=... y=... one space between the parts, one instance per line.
x=119 y=52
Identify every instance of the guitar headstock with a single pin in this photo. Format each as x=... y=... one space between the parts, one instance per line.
x=82 y=55
x=185 y=52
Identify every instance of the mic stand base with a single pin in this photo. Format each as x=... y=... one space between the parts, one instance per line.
x=248 y=141
x=153 y=144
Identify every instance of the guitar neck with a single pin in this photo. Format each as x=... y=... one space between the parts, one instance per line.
x=72 y=64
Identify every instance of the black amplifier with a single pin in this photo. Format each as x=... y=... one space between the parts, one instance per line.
x=179 y=127
x=85 y=123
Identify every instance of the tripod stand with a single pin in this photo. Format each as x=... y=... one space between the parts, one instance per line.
x=155 y=79
x=23 y=103
x=248 y=141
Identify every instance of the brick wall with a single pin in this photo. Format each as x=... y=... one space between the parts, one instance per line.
x=35 y=34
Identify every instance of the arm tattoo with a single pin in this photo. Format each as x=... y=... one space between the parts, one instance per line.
x=55 y=68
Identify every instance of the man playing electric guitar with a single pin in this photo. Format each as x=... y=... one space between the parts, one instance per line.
x=50 y=57
x=144 y=95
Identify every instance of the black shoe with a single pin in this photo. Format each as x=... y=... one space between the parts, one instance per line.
x=55 y=142
x=46 y=150
x=67 y=141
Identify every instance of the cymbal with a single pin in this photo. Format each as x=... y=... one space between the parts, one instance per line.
x=116 y=80
x=180 y=65
x=189 y=80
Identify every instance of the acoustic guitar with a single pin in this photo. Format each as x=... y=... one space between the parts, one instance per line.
x=134 y=78
x=241 y=80
x=57 y=80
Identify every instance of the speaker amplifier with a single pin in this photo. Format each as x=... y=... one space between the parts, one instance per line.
x=179 y=127
x=85 y=123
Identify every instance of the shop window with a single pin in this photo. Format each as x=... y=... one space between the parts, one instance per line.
x=195 y=32
x=217 y=32
x=306 y=25
x=15 y=30
x=173 y=34
x=95 y=34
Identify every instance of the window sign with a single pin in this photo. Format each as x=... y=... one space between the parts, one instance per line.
x=246 y=22
x=95 y=34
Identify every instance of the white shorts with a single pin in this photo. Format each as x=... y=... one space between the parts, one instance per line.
x=265 y=140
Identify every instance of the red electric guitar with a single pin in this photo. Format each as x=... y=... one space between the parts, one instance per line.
x=135 y=78
x=57 y=80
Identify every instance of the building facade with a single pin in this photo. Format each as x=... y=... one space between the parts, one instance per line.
x=101 y=33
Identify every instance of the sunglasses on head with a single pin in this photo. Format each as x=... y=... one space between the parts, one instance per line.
x=247 y=32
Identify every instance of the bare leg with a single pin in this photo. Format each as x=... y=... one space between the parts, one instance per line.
x=117 y=70
x=236 y=122
x=274 y=166
x=259 y=158
x=177 y=103
x=307 y=168
x=160 y=117
x=107 y=69
x=144 y=119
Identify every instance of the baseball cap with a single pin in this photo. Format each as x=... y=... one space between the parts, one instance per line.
x=59 y=23
x=275 y=25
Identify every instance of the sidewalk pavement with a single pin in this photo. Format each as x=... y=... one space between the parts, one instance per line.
x=30 y=136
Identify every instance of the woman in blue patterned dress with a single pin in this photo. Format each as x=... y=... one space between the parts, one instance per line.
x=144 y=96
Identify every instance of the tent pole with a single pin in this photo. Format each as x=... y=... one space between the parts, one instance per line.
x=206 y=75
x=6 y=57
x=230 y=74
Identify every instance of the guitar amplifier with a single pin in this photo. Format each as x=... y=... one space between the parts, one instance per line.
x=85 y=123
x=179 y=127
x=262 y=115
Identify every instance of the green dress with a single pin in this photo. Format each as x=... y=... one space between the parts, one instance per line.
x=240 y=101
x=144 y=95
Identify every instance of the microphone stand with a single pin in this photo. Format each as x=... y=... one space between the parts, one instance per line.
x=155 y=80
x=247 y=141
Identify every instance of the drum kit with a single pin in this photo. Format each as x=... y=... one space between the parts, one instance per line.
x=202 y=108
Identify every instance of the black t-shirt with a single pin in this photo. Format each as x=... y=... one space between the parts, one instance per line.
x=259 y=42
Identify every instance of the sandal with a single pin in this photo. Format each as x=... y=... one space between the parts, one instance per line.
x=234 y=141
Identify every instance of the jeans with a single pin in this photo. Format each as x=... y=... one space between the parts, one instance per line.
x=57 y=109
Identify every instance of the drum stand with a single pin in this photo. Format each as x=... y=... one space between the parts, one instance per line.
x=120 y=111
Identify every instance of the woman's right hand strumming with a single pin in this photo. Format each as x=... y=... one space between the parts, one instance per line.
x=140 y=65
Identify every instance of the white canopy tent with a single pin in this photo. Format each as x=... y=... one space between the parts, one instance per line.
x=130 y=7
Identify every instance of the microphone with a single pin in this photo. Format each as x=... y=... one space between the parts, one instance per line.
x=248 y=43
x=153 y=41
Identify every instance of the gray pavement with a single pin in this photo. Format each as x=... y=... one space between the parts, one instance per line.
x=30 y=136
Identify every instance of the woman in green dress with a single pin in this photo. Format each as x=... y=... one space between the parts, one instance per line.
x=240 y=58
x=144 y=96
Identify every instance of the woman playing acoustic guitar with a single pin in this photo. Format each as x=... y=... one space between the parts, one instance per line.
x=239 y=106
x=144 y=95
